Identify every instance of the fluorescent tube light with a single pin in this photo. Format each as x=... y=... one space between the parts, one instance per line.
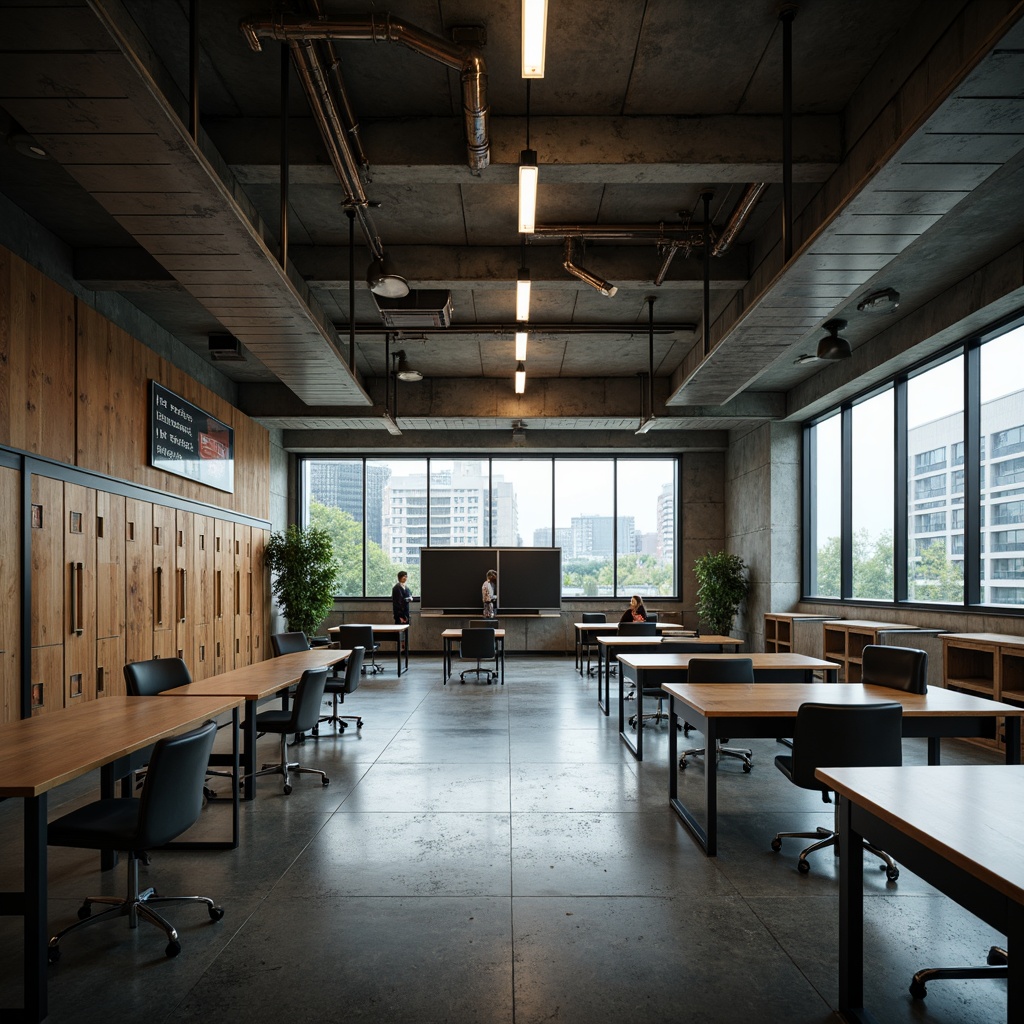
x=523 y=295
x=520 y=378
x=521 y=338
x=527 y=191
x=535 y=37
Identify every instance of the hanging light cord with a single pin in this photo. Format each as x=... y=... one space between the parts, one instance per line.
x=528 y=113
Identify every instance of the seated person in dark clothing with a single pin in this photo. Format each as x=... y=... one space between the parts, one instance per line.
x=636 y=612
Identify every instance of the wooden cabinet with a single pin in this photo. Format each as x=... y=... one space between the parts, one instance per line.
x=243 y=595
x=778 y=630
x=10 y=596
x=111 y=551
x=260 y=610
x=987 y=665
x=844 y=640
x=164 y=604
x=47 y=608
x=224 y=596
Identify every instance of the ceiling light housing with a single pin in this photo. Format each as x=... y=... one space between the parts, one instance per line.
x=26 y=145
x=520 y=378
x=518 y=430
x=884 y=301
x=832 y=346
x=528 y=174
x=523 y=295
x=404 y=371
x=521 y=339
x=382 y=279
x=535 y=37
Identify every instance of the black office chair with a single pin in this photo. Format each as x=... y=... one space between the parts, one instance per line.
x=289 y=643
x=352 y=636
x=303 y=715
x=484 y=624
x=998 y=967
x=637 y=629
x=479 y=645
x=652 y=616
x=171 y=800
x=655 y=691
x=338 y=687
x=840 y=736
x=147 y=679
x=720 y=670
x=899 y=668
x=589 y=643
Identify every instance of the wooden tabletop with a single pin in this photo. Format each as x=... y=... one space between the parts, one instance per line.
x=962 y=812
x=635 y=641
x=37 y=754
x=377 y=627
x=783 y=700
x=263 y=679
x=885 y=627
x=615 y=624
x=780 y=661
x=1000 y=639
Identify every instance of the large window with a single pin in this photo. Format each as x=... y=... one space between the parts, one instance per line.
x=959 y=498
x=614 y=519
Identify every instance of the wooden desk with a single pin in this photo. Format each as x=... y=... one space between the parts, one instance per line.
x=958 y=829
x=765 y=711
x=652 y=670
x=611 y=646
x=586 y=629
x=253 y=683
x=387 y=632
x=39 y=754
x=450 y=636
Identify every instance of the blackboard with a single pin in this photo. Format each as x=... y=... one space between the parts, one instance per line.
x=188 y=442
x=529 y=579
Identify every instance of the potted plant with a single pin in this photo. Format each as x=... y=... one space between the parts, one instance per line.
x=305 y=569
x=721 y=589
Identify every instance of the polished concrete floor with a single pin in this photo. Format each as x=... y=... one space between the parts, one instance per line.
x=494 y=854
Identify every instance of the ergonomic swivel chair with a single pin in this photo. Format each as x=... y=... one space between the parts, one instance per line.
x=720 y=670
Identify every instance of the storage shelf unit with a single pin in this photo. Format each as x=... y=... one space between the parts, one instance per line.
x=844 y=640
x=986 y=664
x=778 y=630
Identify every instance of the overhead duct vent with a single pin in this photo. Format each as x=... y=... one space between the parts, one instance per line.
x=430 y=307
x=225 y=348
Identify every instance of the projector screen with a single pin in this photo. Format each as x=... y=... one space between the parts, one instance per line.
x=529 y=579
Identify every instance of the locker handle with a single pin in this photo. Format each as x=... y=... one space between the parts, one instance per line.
x=183 y=595
x=77 y=597
x=159 y=595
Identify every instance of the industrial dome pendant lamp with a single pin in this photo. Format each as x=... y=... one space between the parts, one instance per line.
x=383 y=281
x=832 y=346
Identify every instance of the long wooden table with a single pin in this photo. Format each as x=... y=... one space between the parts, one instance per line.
x=253 y=683
x=654 y=670
x=388 y=632
x=39 y=754
x=761 y=710
x=957 y=827
x=612 y=646
x=450 y=636
x=584 y=630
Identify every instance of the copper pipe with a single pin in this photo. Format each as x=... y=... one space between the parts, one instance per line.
x=739 y=217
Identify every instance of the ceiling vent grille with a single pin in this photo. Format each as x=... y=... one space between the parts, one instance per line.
x=420 y=308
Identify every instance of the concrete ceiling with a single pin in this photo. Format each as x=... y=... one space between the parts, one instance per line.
x=908 y=167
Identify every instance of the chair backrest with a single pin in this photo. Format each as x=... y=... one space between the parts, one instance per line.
x=354 y=669
x=845 y=736
x=478 y=643
x=172 y=795
x=899 y=668
x=309 y=694
x=289 y=643
x=652 y=616
x=484 y=624
x=148 y=678
x=356 y=635
x=637 y=629
x=687 y=647
x=720 y=670
x=594 y=617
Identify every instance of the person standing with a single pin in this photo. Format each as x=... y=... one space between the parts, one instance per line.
x=489 y=594
x=401 y=596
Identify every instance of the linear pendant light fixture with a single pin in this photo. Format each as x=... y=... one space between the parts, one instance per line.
x=527 y=179
x=523 y=295
x=520 y=377
x=535 y=37
x=521 y=339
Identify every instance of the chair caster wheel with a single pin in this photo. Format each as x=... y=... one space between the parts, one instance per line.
x=85 y=912
x=359 y=723
x=747 y=767
x=891 y=874
x=682 y=764
x=173 y=949
x=315 y=731
x=287 y=790
x=326 y=781
x=918 y=989
x=632 y=721
x=216 y=913
x=803 y=867
x=776 y=844
x=53 y=954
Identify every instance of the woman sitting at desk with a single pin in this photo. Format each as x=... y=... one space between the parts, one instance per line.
x=636 y=612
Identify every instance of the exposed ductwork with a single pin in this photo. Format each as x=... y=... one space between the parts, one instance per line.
x=296 y=29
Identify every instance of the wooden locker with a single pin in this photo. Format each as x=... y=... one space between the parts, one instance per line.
x=243 y=595
x=46 y=526
x=201 y=596
x=260 y=616
x=164 y=623
x=80 y=594
x=139 y=580
x=110 y=593
x=10 y=597
x=224 y=596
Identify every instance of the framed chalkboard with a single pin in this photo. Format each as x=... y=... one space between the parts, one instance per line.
x=188 y=442
x=529 y=579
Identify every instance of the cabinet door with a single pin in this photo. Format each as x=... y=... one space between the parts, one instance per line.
x=183 y=583
x=243 y=595
x=224 y=596
x=10 y=597
x=80 y=593
x=110 y=565
x=164 y=625
x=139 y=580
x=260 y=616
x=47 y=544
x=110 y=666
